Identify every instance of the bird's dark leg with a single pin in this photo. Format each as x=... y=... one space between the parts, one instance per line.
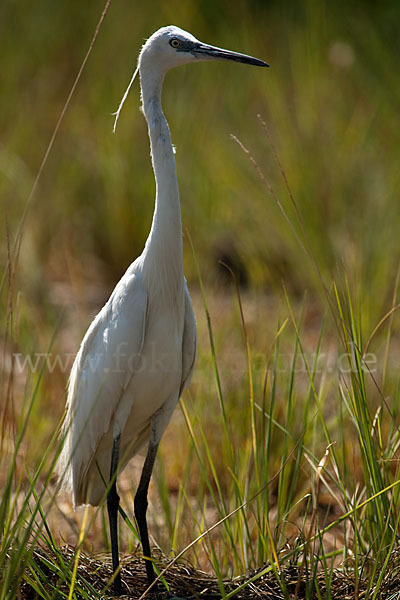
x=141 y=507
x=112 y=506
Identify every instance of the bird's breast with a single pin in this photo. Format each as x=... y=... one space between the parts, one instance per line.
x=158 y=372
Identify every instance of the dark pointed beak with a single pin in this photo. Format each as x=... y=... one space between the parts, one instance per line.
x=206 y=52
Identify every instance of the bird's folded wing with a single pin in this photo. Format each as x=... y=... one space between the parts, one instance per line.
x=107 y=359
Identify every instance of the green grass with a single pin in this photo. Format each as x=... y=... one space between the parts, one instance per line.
x=277 y=480
x=289 y=435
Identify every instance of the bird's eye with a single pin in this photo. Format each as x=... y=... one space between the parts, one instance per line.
x=175 y=43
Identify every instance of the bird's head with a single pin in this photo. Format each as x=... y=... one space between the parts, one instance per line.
x=171 y=46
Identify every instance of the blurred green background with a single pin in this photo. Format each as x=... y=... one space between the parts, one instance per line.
x=331 y=102
x=330 y=99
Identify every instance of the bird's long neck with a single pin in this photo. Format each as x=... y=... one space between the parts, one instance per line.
x=163 y=250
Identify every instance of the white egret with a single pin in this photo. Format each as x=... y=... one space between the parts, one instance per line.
x=138 y=354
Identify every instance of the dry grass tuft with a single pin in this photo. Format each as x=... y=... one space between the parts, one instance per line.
x=186 y=582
